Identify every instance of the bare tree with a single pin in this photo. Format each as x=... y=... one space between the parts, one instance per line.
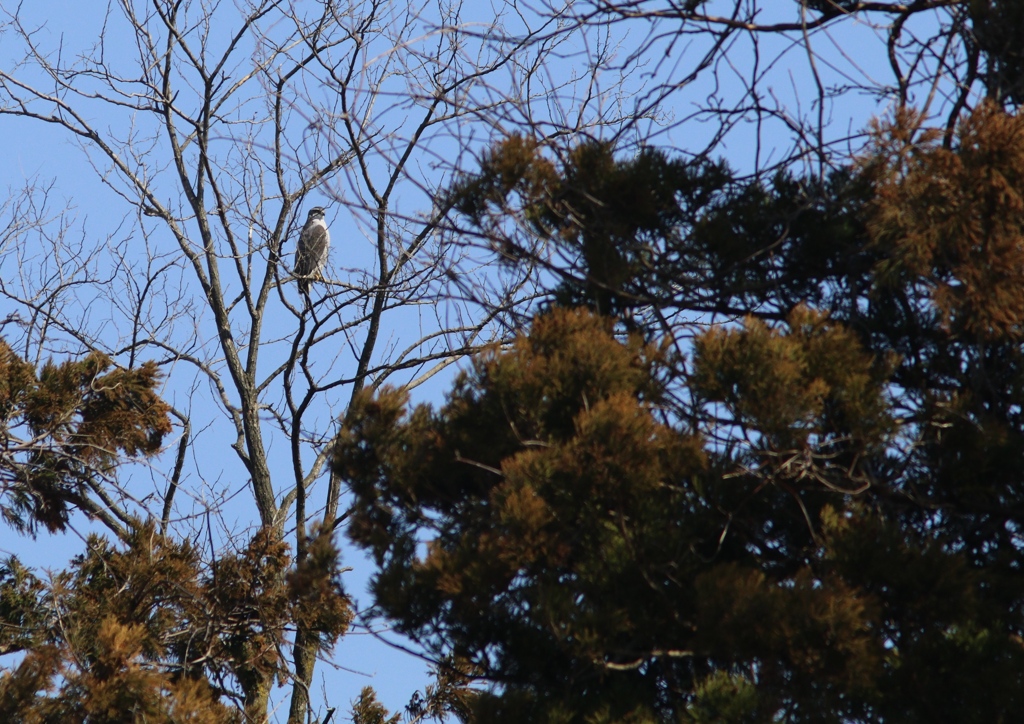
x=212 y=125
x=799 y=79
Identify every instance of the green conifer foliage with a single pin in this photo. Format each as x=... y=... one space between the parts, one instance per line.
x=815 y=514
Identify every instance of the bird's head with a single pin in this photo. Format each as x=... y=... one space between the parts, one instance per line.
x=317 y=212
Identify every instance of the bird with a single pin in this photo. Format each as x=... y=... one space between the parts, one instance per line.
x=311 y=254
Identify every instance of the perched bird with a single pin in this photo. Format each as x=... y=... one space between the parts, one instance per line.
x=311 y=253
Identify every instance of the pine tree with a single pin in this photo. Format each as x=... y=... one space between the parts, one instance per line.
x=65 y=428
x=147 y=628
x=149 y=631
x=811 y=513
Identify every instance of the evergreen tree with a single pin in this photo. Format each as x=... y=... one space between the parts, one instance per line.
x=811 y=515
x=147 y=628
x=65 y=428
x=149 y=632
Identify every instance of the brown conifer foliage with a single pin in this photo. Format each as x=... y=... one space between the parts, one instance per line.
x=572 y=537
x=152 y=633
x=65 y=428
x=954 y=218
x=815 y=514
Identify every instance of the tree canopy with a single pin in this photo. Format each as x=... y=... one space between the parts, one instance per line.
x=64 y=429
x=148 y=631
x=740 y=438
x=809 y=510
